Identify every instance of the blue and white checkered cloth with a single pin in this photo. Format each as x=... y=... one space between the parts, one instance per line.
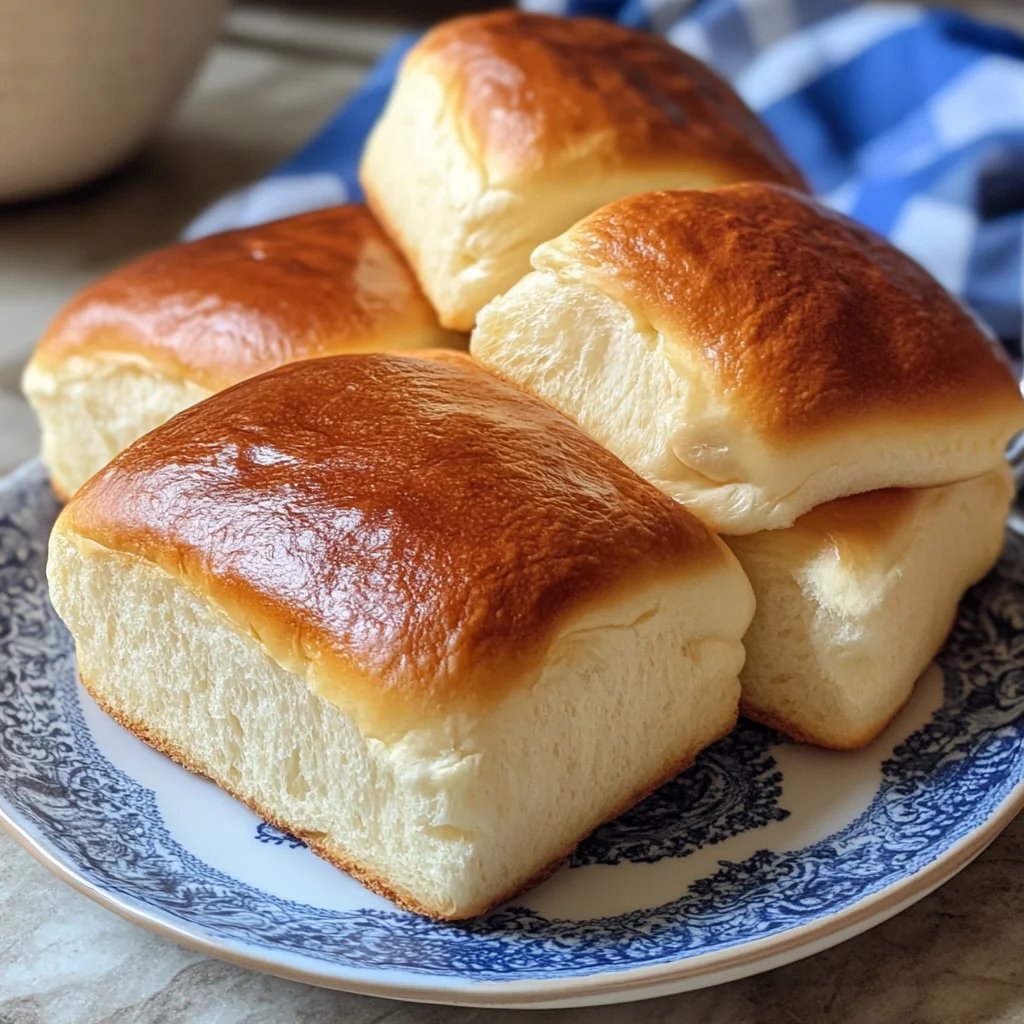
x=910 y=119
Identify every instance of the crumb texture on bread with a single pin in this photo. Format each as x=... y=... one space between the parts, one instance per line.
x=855 y=600
x=753 y=354
x=523 y=123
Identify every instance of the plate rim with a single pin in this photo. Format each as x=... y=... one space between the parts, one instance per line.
x=691 y=972
x=703 y=970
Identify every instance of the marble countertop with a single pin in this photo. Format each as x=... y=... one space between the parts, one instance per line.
x=954 y=958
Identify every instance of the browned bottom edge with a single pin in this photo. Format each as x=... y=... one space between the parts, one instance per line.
x=333 y=854
x=799 y=735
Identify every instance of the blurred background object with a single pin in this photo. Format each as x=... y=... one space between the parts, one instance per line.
x=84 y=85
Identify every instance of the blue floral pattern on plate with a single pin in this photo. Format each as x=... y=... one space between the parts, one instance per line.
x=943 y=781
x=733 y=787
x=266 y=833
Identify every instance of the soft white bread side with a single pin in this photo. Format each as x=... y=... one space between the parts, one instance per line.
x=505 y=128
x=753 y=354
x=856 y=599
x=90 y=409
x=445 y=819
x=407 y=612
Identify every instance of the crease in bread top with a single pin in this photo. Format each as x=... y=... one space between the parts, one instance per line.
x=535 y=97
x=420 y=526
x=229 y=306
x=796 y=314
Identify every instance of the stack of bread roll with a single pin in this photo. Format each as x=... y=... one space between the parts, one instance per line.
x=441 y=614
x=783 y=373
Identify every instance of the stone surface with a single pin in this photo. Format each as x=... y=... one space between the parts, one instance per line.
x=952 y=959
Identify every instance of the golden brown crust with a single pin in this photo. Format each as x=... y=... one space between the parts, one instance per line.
x=334 y=854
x=539 y=95
x=414 y=527
x=798 y=315
x=224 y=308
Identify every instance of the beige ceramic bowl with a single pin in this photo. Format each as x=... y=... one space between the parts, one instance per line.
x=84 y=83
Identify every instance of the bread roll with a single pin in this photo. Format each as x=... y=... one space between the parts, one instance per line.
x=177 y=325
x=405 y=612
x=753 y=354
x=503 y=129
x=855 y=600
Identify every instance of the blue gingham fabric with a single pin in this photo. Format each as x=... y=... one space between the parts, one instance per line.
x=908 y=118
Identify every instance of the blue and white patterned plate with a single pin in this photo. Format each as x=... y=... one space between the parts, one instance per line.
x=761 y=853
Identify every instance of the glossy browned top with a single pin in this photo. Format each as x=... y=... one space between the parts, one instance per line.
x=413 y=522
x=801 y=317
x=540 y=95
x=226 y=307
